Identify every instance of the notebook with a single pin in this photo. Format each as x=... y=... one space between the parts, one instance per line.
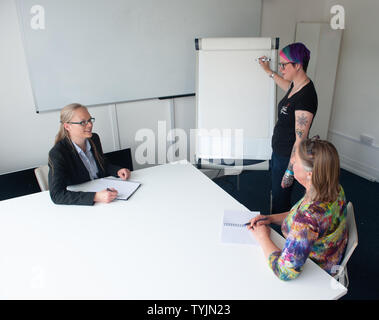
x=125 y=188
x=233 y=228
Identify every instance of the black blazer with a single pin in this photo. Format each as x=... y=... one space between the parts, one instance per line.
x=67 y=168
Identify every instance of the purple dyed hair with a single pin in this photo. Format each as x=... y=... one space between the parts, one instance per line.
x=297 y=53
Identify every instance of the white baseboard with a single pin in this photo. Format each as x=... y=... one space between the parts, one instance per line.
x=359 y=169
x=352 y=139
x=356 y=157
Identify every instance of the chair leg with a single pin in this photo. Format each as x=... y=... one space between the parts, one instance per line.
x=342 y=277
x=270 y=202
x=346 y=278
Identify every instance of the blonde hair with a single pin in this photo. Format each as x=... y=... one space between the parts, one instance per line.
x=66 y=115
x=321 y=157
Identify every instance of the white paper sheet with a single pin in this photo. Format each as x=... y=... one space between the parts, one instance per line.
x=233 y=229
x=125 y=188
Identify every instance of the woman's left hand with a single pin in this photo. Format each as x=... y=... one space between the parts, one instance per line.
x=123 y=173
x=260 y=232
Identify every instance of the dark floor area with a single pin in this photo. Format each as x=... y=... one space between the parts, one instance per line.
x=364 y=194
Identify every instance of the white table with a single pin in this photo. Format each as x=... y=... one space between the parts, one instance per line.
x=163 y=243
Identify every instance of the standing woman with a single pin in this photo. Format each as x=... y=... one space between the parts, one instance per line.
x=77 y=157
x=295 y=116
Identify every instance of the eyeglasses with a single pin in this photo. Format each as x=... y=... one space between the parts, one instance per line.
x=283 y=65
x=83 y=123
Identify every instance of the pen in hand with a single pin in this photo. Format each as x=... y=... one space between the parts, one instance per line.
x=262 y=219
x=263 y=59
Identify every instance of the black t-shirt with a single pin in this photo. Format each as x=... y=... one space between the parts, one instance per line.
x=284 y=131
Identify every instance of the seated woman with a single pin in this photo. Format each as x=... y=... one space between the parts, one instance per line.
x=77 y=157
x=315 y=227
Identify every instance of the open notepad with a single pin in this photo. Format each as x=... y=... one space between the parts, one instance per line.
x=234 y=229
x=125 y=188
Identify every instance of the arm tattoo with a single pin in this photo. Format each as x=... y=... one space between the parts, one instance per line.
x=287 y=179
x=290 y=165
x=302 y=120
x=299 y=133
x=293 y=152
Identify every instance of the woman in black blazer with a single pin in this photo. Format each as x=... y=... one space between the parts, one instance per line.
x=77 y=157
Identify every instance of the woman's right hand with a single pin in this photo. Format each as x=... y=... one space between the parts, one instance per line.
x=264 y=64
x=106 y=195
x=260 y=220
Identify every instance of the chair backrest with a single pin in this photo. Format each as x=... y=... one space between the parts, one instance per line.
x=42 y=174
x=17 y=184
x=353 y=234
x=122 y=158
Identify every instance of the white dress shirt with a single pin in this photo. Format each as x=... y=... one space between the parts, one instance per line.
x=88 y=159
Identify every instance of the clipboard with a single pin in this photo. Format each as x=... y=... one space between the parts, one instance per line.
x=125 y=188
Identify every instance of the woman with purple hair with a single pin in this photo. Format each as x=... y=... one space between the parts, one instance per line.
x=295 y=116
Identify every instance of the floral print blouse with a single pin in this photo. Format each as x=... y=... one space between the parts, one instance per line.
x=316 y=230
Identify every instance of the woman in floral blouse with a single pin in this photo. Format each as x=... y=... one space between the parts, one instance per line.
x=315 y=227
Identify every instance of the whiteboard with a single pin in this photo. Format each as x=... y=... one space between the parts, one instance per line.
x=235 y=99
x=100 y=51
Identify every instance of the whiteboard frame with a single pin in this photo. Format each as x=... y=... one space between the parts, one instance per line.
x=213 y=160
x=53 y=88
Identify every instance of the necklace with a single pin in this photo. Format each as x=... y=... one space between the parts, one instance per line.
x=293 y=91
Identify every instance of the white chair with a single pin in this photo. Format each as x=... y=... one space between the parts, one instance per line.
x=352 y=243
x=42 y=174
x=230 y=170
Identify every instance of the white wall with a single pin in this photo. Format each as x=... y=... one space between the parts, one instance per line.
x=355 y=104
x=26 y=137
x=356 y=99
x=355 y=107
x=149 y=115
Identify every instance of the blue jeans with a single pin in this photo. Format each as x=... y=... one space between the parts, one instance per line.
x=281 y=197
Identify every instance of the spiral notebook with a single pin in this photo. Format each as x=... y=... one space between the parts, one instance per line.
x=125 y=188
x=234 y=229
